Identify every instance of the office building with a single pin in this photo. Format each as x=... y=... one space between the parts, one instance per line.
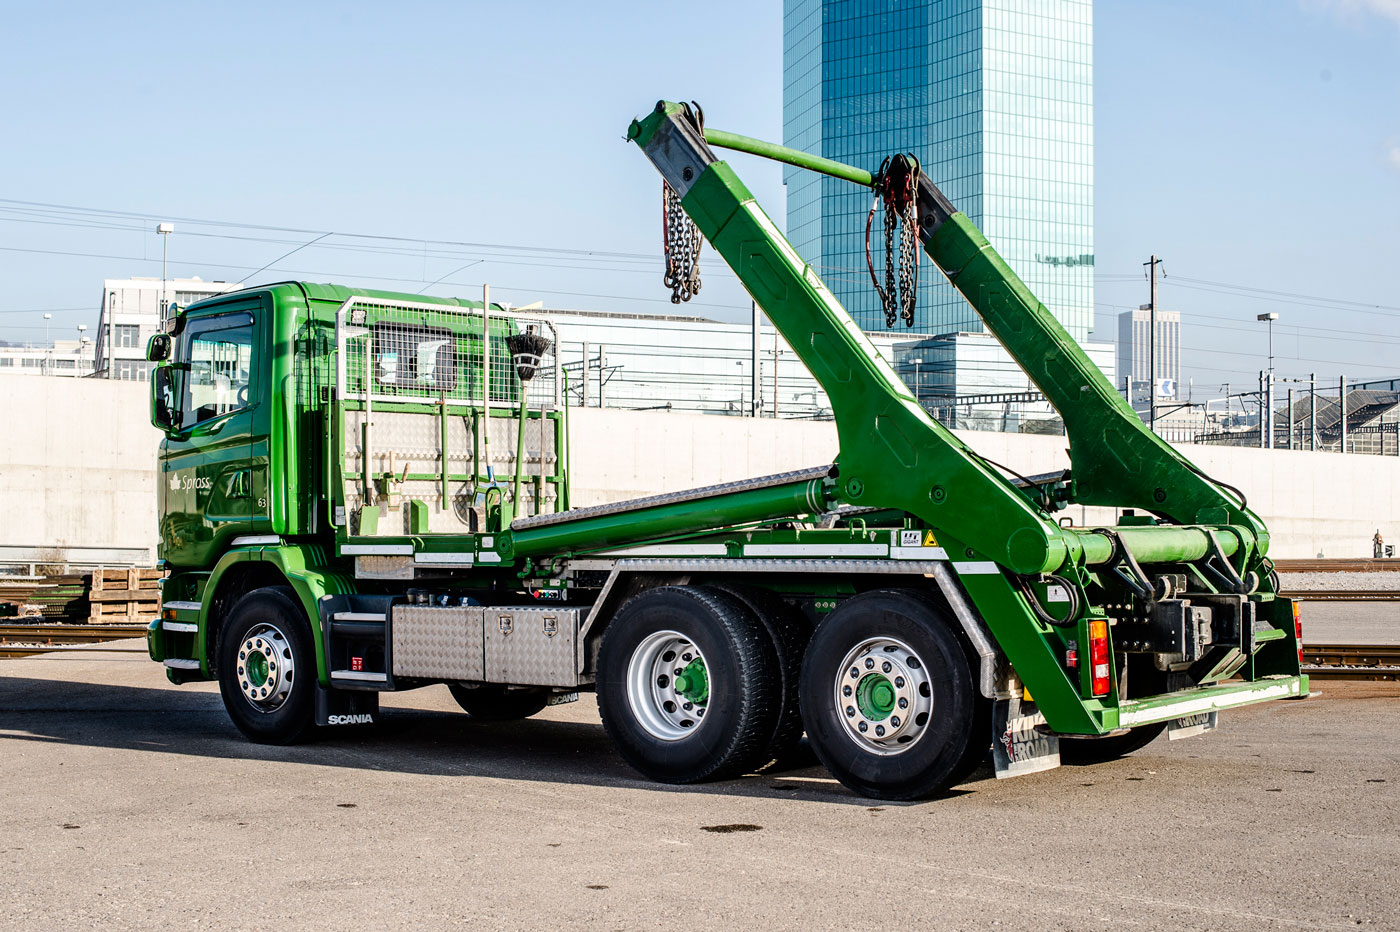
x=132 y=310
x=71 y=358
x=995 y=98
x=1135 y=354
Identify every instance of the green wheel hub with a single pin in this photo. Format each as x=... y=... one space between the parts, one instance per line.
x=693 y=683
x=875 y=697
x=257 y=669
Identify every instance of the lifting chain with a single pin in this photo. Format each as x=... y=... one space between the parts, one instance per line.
x=896 y=186
x=680 y=237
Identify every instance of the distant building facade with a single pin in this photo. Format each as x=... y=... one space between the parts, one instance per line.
x=72 y=358
x=132 y=309
x=995 y=98
x=1135 y=354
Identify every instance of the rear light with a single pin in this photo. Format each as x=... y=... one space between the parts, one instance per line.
x=1298 y=628
x=1098 y=657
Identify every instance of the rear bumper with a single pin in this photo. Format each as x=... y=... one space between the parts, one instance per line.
x=1214 y=698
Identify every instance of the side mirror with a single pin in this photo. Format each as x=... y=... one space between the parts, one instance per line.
x=158 y=348
x=163 y=407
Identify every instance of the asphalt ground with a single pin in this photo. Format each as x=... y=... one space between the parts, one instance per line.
x=128 y=803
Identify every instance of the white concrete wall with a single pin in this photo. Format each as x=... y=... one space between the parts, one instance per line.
x=77 y=468
x=1313 y=503
x=77 y=464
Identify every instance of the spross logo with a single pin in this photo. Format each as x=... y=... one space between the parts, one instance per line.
x=180 y=483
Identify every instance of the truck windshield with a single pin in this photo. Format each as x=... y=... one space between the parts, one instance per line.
x=220 y=355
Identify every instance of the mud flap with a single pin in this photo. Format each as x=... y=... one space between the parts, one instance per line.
x=1021 y=743
x=1192 y=725
x=346 y=707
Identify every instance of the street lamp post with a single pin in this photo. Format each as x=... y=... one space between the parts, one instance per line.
x=164 y=229
x=1269 y=318
x=48 y=343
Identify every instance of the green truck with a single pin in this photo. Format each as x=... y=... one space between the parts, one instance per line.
x=363 y=491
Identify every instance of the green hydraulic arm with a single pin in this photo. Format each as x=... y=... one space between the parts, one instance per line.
x=893 y=454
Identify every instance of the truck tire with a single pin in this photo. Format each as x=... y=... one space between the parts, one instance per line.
x=267 y=667
x=890 y=697
x=498 y=704
x=687 y=685
x=789 y=633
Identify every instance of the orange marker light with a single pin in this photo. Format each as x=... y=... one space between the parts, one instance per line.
x=1098 y=657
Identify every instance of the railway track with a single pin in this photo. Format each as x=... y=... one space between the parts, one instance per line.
x=24 y=640
x=1352 y=661
x=1338 y=566
x=1344 y=595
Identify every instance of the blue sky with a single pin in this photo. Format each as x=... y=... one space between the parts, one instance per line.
x=1254 y=143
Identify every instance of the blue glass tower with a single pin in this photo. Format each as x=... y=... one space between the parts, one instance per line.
x=995 y=97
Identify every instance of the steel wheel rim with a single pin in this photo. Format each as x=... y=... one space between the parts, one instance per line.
x=668 y=686
x=884 y=696
x=265 y=667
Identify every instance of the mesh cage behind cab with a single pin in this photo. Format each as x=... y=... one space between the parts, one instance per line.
x=413 y=358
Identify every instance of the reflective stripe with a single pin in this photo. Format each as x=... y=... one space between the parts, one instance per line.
x=918 y=553
x=978 y=568
x=1207 y=704
x=179 y=627
x=182 y=606
x=176 y=663
x=377 y=550
x=253 y=539
x=817 y=550
x=449 y=559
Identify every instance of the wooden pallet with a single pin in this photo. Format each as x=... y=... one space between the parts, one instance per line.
x=130 y=596
x=123 y=613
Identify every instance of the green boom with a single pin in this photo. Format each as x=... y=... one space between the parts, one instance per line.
x=893 y=454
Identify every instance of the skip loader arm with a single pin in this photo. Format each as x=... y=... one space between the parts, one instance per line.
x=894 y=455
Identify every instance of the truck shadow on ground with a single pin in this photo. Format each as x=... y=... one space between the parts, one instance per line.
x=408 y=741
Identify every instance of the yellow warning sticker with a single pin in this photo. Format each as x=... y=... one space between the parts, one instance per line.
x=929 y=539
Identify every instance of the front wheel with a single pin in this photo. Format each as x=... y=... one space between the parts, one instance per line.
x=267 y=667
x=890 y=698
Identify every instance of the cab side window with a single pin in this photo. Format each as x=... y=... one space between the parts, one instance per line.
x=219 y=352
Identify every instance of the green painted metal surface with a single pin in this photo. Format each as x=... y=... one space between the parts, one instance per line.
x=704 y=514
x=894 y=455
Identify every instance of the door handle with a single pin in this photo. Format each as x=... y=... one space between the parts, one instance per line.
x=240 y=484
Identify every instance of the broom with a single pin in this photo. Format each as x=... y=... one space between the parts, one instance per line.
x=526 y=349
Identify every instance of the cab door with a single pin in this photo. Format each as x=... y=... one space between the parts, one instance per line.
x=206 y=481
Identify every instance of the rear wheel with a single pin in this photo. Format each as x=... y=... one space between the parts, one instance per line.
x=267 y=667
x=497 y=703
x=687 y=688
x=890 y=699
x=789 y=633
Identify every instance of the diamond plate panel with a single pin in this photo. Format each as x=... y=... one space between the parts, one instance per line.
x=437 y=642
x=532 y=646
